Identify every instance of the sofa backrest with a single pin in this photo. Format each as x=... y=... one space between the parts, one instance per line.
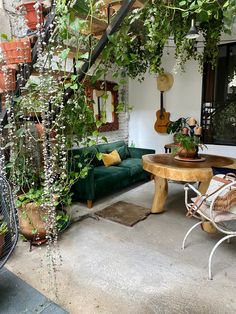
x=89 y=153
x=109 y=147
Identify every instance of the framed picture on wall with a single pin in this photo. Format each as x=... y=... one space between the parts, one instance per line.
x=104 y=102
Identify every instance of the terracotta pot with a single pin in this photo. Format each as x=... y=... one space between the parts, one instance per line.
x=31 y=217
x=32 y=18
x=187 y=153
x=7 y=80
x=2 y=241
x=40 y=130
x=17 y=51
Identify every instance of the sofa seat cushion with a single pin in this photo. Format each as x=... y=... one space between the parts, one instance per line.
x=113 y=172
x=110 y=178
x=134 y=165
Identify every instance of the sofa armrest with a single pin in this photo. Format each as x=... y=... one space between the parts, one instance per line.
x=84 y=188
x=139 y=152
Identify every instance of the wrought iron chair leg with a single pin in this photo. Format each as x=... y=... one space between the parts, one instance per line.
x=189 y=231
x=213 y=251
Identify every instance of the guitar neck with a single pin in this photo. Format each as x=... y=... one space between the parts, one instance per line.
x=162 y=102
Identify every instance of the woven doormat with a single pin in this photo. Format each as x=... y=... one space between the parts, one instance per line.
x=124 y=213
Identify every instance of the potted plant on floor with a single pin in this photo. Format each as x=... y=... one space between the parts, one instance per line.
x=34 y=215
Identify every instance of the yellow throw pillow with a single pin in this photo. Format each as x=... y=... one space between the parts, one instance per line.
x=111 y=159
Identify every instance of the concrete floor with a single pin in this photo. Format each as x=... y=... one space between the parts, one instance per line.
x=17 y=297
x=110 y=268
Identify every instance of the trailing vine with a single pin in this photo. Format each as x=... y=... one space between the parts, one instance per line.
x=140 y=42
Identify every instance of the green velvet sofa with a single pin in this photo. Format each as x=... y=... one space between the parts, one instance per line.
x=102 y=180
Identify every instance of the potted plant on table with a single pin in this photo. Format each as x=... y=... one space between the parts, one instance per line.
x=187 y=146
x=188 y=138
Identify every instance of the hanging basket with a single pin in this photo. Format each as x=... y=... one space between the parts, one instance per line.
x=7 y=80
x=17 y=51
x=33 y=15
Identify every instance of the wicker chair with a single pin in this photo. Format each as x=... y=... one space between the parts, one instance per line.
x=8 y=213
x=223 y=221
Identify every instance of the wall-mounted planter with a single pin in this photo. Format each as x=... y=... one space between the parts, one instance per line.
x=7 y=80
x=16 y=51
x=33 y=13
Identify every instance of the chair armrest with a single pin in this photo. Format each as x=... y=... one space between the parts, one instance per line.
x=139 y=152
x=217 y=194
x=190 y=205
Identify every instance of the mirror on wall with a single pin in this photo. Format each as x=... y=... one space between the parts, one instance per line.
x=104 y=96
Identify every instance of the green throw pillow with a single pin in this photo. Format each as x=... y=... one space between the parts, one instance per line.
x=122 y=152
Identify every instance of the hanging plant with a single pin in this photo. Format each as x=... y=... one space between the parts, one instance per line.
x=140 y=42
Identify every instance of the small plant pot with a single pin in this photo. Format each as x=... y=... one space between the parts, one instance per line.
x=7 y=80
x=32 y=17
x=17 y=51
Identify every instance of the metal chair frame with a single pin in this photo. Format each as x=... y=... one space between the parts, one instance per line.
x=190 y=205
x=8 y=210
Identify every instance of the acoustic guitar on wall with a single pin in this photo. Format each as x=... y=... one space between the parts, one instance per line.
x=164 y=83
x=163 y=118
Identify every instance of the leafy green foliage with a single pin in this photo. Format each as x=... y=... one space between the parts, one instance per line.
x=187 y=142
x=3 y=226
x=176 y=126
x=33 y=195
x=139 y=44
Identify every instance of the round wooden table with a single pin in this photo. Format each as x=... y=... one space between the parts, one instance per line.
x=165 y=166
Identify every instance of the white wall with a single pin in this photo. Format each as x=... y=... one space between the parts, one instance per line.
x=5 y=24
x=182 y=100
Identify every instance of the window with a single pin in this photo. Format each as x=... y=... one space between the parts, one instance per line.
x=219 y=98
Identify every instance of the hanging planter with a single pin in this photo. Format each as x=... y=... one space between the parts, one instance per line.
x=16 y=51
x=7 y=80
x=33 y=13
